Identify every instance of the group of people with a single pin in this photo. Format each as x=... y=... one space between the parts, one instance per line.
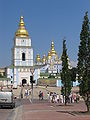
x=73 y=97
x=40 y=95
x=56 y=98
x=53 y=97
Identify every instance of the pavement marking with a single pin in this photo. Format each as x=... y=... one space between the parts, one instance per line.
x=19 y=113
x=51 y=106
x=68 y=112
x=30 y=100
x=12 y=115
x=16 y=114
x=39 y=111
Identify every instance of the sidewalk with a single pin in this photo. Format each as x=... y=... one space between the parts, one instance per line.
x=53 y=111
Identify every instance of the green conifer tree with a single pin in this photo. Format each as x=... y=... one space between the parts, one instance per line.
x=84 y=61
x=65 y=75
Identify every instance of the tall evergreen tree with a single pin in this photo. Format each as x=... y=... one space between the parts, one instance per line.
x=84 y=61
x=65 y=75
x=73 y=72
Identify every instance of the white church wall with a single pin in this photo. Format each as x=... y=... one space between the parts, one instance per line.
x=23 y=42
x=18 y=57
x=24 y=75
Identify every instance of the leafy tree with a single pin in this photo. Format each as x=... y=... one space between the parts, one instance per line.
x=65 y=75
x=84 y=61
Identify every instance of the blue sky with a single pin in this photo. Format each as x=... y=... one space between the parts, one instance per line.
x=45 y=20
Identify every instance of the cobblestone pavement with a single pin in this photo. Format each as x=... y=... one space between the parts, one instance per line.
x=53 y=111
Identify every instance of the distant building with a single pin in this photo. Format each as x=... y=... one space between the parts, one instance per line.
x=52 y=63
x=2 y=72
x=51 y=67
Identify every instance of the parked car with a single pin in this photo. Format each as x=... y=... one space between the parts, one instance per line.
x=7 y=99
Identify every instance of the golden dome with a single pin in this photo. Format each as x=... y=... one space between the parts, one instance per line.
x=53 y=52
x=43 y=59
x=38 y=59
x=49 y=55
x=21 y=32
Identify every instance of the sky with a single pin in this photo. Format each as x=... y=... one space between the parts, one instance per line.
x=44 y=20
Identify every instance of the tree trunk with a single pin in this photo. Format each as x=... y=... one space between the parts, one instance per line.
x=88 y=108
x=87 y=101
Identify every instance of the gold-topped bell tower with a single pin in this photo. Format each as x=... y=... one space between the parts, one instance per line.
x=21 y=32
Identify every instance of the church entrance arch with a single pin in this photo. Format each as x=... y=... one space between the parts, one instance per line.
x=24 y=81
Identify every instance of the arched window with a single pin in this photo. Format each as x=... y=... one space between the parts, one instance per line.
x=23 y=56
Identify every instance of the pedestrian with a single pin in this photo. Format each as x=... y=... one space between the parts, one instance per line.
x=26 y=93
x=42 y=95
x=57 y=98
x=51 y=98
x=48 y=96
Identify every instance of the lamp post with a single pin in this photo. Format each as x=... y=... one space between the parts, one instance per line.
x=32 y=81
x=11 y=82
x=7 y=83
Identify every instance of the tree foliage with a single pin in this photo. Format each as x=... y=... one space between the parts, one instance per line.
x=73 y=73
x=65 y=75
x=84 y=60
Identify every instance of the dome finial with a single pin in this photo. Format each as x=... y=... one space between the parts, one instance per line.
x=21 y=23
x=53 y=52
x=52 y=45
x=21 y=32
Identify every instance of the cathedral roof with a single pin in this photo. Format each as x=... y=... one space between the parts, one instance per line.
x=38 y=59
x=21 y=32
x=49 y=55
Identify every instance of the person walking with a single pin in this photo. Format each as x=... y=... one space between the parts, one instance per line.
x=57 y=98
x=39 y=95
x=42 y=95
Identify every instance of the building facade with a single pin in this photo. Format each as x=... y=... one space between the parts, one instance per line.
x=22 y=57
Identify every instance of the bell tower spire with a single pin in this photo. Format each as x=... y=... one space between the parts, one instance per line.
x=53 y=52
x=21 y=32
x=21 y=23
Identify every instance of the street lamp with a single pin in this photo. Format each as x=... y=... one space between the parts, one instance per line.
x=11 y=82
x=7 y=83
x=32 y=81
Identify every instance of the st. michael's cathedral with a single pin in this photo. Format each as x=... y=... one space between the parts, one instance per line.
x=22 y=65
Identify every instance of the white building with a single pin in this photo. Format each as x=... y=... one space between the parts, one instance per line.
x=22 y=57
x=22 y=60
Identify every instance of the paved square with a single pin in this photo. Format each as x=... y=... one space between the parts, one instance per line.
x=53 y=111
